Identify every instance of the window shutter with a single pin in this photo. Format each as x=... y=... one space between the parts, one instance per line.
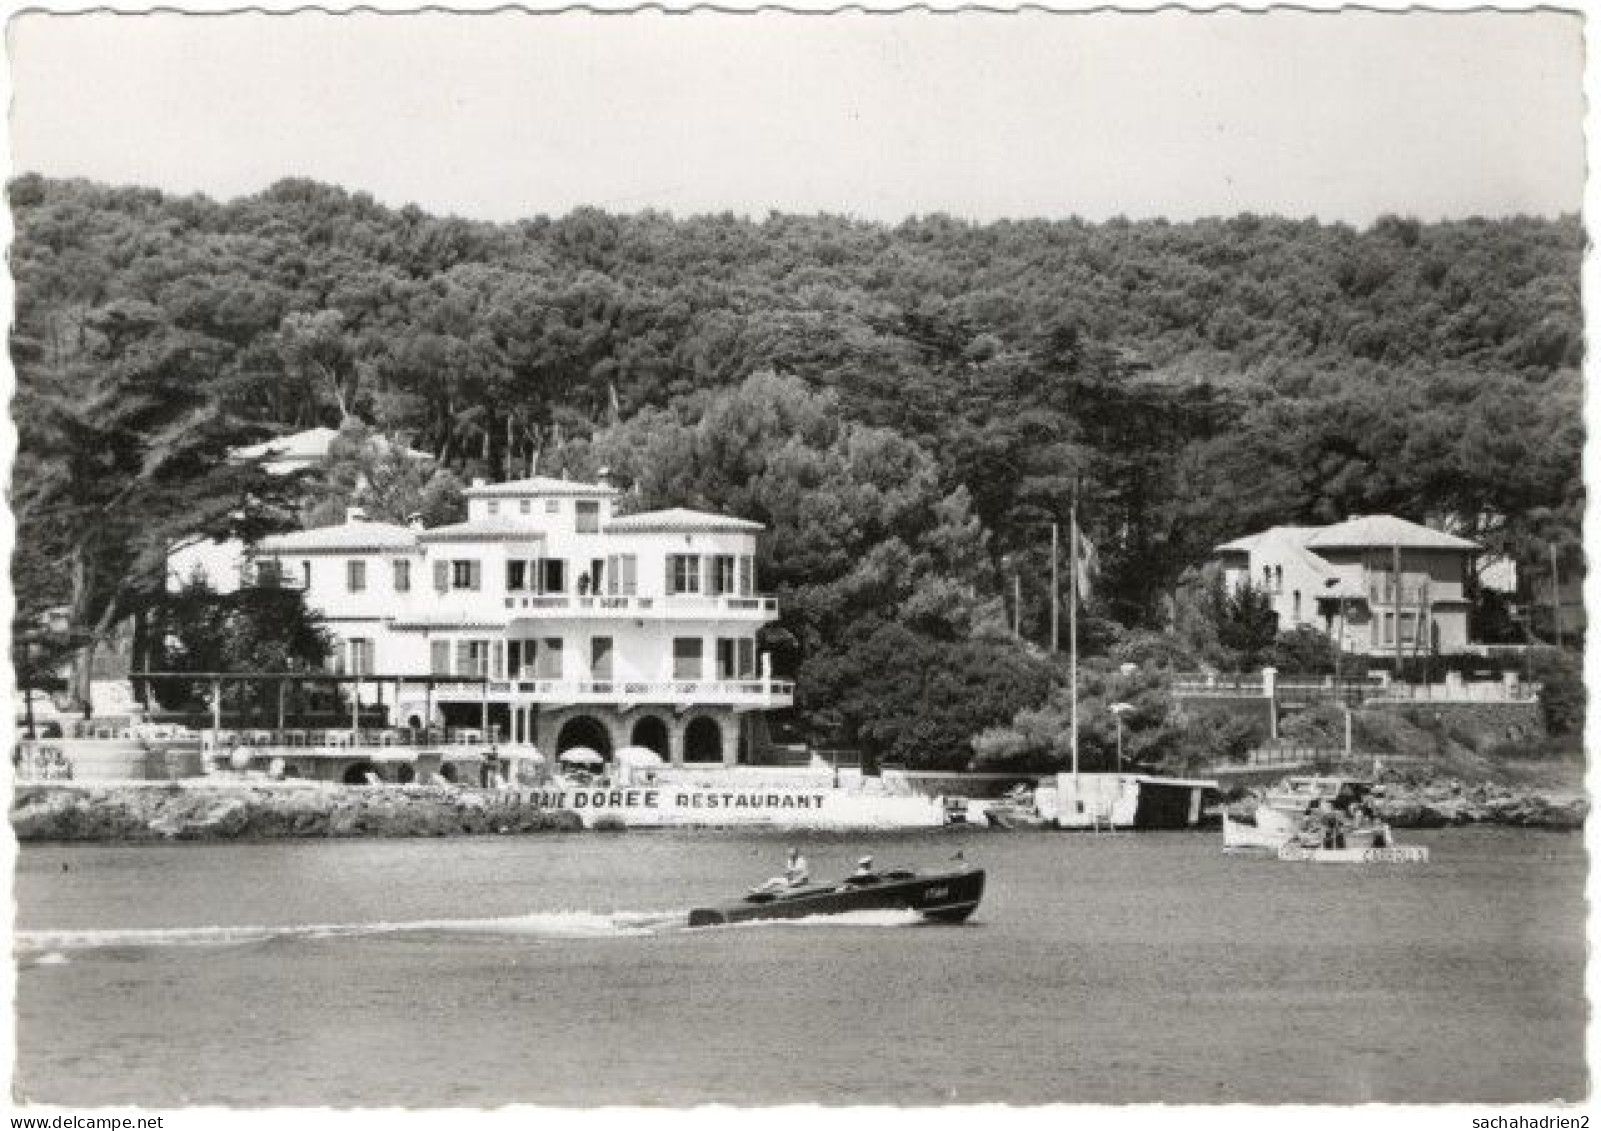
x=475 y=574
x=442 y=576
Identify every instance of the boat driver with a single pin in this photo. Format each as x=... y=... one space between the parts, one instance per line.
x=796 y=872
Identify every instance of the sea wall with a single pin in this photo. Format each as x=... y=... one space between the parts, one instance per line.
x=131 y=812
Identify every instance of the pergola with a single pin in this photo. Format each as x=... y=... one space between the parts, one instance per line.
x=284 y=679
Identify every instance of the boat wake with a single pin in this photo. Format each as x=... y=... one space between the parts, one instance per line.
x=889 y=918
x=543 y=924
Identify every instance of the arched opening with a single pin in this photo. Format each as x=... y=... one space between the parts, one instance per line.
x=703 y=740
x=357 y=773
x=448 y=772
x=414 y=722
x=584 y=730
x=651 y=733
x=404 y=774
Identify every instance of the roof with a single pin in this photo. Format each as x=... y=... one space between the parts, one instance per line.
x=344 y=538
x=286 y=453
x=538 y=485
x=495 y=528
x=1292 y=535
x=1376 y=530
x=1290 y=544
x=1385 y=530
x=679 y=520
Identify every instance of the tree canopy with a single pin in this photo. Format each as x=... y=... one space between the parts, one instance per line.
x=907 y=408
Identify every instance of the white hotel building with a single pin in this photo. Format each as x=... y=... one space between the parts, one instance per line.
x=550 y=617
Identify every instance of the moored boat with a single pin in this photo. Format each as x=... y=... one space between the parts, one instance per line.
x=946 y=897
x=1270 y=830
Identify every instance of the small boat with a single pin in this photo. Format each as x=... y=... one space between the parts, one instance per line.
x=1272 y=829
x=947 y=897
x=1241 y=834
x=1296 y=852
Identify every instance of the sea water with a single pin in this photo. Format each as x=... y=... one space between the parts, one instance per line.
x=555 y=969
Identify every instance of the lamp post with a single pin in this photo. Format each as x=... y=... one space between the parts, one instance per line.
x=1118 y=711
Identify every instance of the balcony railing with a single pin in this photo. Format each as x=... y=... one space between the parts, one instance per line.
x=610 y=605
x=1385 y=592
x=737 y=692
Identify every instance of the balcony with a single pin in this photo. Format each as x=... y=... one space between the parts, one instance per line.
x=759 y=694
x=723 y=607
x=1382 y=591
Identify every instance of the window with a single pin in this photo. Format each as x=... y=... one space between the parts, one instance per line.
x=726 y=657
x=520 y=658
x=553 y=575
x=305 y=575
x=472 y=657
x=441 y=576
x=686 y=657
x=361 y=657
x=355 y=576
x=402 y=575
x=525 y=506
x=586 y=519
x=552 y=506
x=494 y=506
x=547 y=663
x=622 y=572
x=747 y=575
x=747 y=658
x=497 y=659
x=516 y=575
x=269 y=574
x=722 y=574
x=683 y=573
x=465 y=574
x=439 y=657
x=600 y=652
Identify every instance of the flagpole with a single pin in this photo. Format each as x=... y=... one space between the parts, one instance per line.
x=1056 y=600
x=1072 y=623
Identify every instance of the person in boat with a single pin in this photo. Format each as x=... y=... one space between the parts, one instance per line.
x=796 y=874
x=864 y=869
x=1333 y=827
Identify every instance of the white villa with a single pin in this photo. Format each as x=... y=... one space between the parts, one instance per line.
x=550 y=619
x=1343 y=580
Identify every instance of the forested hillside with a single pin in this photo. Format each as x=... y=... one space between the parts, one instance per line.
x=907 y=406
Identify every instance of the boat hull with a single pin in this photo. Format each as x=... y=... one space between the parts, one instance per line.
x=947 y=898
x=1393 y=854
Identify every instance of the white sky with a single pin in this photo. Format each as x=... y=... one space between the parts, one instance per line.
x=1342 y=116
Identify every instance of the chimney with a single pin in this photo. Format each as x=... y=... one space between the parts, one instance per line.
x=414 y=520
x=355 y=514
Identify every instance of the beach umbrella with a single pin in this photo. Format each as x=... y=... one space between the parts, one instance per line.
x=582 y=756
x=639 y=756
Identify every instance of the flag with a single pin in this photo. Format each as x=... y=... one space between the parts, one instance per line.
x=1087 y=569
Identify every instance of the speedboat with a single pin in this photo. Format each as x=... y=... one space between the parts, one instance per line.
x=945 y=897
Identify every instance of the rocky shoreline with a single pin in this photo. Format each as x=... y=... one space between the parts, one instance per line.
x=55 y=811
x=1438 y=805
